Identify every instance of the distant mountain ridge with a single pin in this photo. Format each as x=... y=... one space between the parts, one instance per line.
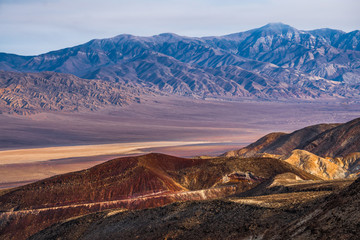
x=275 y=61
x=26 y=93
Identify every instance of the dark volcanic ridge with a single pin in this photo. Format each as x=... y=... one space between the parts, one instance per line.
x=274 y=62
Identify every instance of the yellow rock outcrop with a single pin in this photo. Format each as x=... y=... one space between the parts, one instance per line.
x=325 y=168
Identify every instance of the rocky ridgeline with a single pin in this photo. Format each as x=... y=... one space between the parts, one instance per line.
x=274 y=62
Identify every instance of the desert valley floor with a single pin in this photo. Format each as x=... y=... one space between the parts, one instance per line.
x=171 y=125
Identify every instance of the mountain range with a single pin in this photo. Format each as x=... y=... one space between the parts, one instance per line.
x=273 y=62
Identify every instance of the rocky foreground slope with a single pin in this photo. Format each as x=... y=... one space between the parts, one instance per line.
x=336 y=217
x=254 y=195
x=306 y=214
x=131 y=183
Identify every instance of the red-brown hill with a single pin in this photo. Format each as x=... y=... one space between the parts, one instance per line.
x=333 y=216
x=113 y=180
x=146 y=181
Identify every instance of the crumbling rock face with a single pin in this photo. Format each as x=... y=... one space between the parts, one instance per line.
x=325 y=168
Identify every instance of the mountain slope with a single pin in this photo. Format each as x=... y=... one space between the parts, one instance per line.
x=326 y=140
x=234 y=218
x=131 y=183
x=282 y=143
x=339 y=141
x=336 y=218
x=272 y=62
x=326 y=150
x=313 y=52
x=24 y=93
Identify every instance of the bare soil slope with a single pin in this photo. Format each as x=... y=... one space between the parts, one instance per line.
x=131 y=183
x=261 y=217
x=339 y=141
x=337 y=217
x=113 y=180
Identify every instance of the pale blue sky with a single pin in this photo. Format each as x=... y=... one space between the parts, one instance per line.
x=37 y=26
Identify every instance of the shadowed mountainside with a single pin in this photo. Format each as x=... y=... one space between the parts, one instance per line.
x=217 y=219
x=339 y=141
x=327 y=140
x=131 y=183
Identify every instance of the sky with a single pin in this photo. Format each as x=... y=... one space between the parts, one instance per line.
x=31 y=27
